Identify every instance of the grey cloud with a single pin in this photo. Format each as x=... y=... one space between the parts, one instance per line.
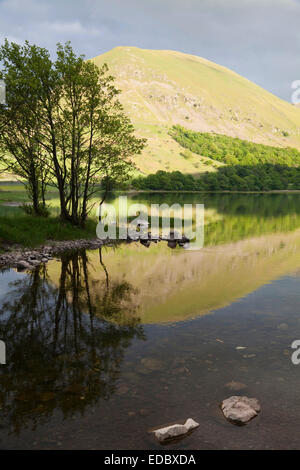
x=259 y=39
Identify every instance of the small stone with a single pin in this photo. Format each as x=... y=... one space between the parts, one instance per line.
x=240 y=410
x=145 y=243
x=144 y=412
x=235 y=386
x=23 y=265
x=35 y=262
x=176 y=430
x=152 y=363
x=240 y=347
x=172 y=244
x=122 y=389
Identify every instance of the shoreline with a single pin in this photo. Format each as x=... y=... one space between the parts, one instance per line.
x=142 y=191
x=23 y=258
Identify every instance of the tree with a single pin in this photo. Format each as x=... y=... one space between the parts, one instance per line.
x=77 y=121
x=19 y=143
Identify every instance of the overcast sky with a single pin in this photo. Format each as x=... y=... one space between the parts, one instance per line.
x=260 y=39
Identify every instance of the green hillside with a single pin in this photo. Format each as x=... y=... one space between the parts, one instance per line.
x=233 y=151
x=164 y=88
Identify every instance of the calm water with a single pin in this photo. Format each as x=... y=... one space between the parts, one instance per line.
x=103 y=346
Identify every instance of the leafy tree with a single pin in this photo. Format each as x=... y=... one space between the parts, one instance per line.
x=76 y=121
x=19 y=142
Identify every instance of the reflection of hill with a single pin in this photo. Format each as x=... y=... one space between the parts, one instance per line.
x=176 y=285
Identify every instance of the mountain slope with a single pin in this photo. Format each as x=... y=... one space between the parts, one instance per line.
x=162 y=88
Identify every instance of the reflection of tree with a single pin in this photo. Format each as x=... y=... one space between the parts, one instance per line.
x=64 y=345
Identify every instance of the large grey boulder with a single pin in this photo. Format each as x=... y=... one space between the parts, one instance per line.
x=240 y=410
x=176 y=430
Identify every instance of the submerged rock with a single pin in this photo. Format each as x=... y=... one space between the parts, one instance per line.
x=235 y=386
x=172 y=244
x=176 y=430
x=240 y=410
x=146 y=243
x=152 y=364
x=122 y=389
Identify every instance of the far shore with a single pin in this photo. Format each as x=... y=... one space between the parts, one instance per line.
x=147 y=191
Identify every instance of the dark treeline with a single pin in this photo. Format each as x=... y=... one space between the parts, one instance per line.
x=264 y=177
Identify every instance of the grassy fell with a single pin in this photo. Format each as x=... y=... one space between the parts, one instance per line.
x=163 y=88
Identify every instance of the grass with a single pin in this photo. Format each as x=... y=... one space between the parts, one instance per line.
x=163 y=88
x=16 y=227
x=32 y=231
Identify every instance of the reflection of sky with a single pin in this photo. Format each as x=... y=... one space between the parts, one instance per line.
x=5 y=279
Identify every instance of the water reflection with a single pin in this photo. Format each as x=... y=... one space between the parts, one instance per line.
x=173 y=285
x=74 y=336
x=64 y=348
x=234 y=217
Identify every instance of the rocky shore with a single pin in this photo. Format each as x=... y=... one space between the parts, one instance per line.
x=26 y=258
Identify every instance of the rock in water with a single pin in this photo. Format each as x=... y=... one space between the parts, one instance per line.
x=235 y=386
x=240 y=410
x=176 y=430
x=22 y=265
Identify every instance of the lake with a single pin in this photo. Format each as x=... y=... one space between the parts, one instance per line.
x=104 y=346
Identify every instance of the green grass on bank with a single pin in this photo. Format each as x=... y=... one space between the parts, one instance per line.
x=12 y=191
x=32 y=231
x=18 y=227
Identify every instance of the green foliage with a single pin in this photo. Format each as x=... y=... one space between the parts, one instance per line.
x=187 y=154
x=63 y=122
x=43 y=210
x=233 y=151
x=266 y=177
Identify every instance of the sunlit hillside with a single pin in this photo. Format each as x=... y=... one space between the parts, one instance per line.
x=162 y=88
